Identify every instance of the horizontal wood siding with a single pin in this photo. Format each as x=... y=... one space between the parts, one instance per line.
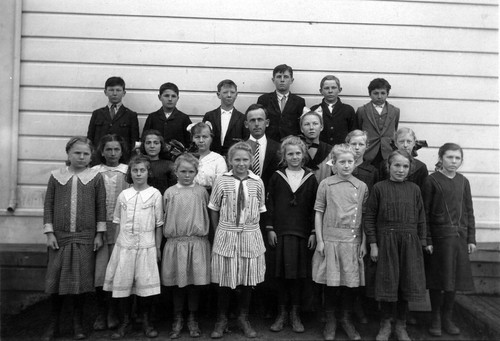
x=441 y=59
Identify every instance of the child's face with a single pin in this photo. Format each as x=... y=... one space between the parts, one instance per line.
x=282 y=81
x=311 y=127
x=293 y=157
x=399 y=168
x=452 y=160
x=114 y=93
x=379 y=96
x=152 y=146
x=168 y=99
x=227 y=95
x=344 y=165
x=185 y=173
x=358 y=143
x=240 y=161
x=112 y=152
x=203 y=139
x=139 y=174
x=79 y=156
x=405 y=142
x=257 y=123
x=330 y=91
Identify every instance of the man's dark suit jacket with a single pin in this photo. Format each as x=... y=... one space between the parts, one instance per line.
x=282 y=124
x=173 y=128
x=236 y=130
x=124 y=124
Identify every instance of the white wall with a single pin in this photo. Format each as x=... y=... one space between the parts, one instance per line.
x=441 y=59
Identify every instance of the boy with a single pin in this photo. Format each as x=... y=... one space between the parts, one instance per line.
x=114 y=118
x=380 y=120
x=228 y=124
x=338 y=118
x=283 y=107
x=168 y=120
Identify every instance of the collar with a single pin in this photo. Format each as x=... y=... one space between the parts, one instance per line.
x=251 y=174
x=335 y=179
x=178 y=185
x=261 y=141
x=226 y=112
x=145 y=194
x=280 y=96
x=312 y=145
x=167 y=115
x=118 y=105
x=63 y=175
x=122 y=168
x=378 y=106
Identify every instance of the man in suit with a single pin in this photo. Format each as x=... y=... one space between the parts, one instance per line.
x=228 y=124
x=283 y=107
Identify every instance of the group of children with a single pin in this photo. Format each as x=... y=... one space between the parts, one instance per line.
x=346 y=212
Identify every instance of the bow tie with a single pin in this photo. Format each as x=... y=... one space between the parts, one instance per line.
x=313 y=145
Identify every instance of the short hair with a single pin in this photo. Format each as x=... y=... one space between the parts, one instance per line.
x=379 y=83
x=282 y=68
x=114 y=81
x=329 y=78
x=186 y=157
x=310 y=113
x=151 y=132
x=356 y=133
x=239 y=146
x=112 y=138
x=339 y=149
x=78 y=139
x=135 y=160
x=443 y=149
x=253 y=107
x=293 y=141
x=198 y=127
x=404 y=131
x=228 y=83
x=169 y=86
x=395 y=153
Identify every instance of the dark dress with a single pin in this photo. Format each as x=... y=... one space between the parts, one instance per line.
x=162 y=175
x=395 y=221
x=450 y=227
x=417 y=174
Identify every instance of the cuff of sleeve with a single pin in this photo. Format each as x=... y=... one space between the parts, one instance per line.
x=371 y=239
x=213 y=207
x=48 y=228
x=313 y=232
x=101 y=226
x=269 y=228
x=423 y=242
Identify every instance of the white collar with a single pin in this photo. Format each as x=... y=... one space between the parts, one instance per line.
x=280 y=95
x=145 y=194
x=251 y=174
x=226 y=112
x=63 y=175
x=122 y=168
x=262 y=140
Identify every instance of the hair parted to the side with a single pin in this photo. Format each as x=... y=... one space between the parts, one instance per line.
x=311 y=113
x=78 y=139
x=239 y=146
x=357 y=133
x=282 y=68
x=253 y=107
x=379 y=83
x=293 y=141
x=114 y=81
x=112 y=138
x=197 y=128
x=148 y=132
x=404 y=131
x=329 y=78
x=228 y=83
x=395 y=153
x=169 y=86
x=186 y=157
x=340 y=149
x=135 y=160
x=443 y=149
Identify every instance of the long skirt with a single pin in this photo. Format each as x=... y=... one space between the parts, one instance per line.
x=293 y=259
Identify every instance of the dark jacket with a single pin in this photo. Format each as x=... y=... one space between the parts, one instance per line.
x=175 y=128
x=236 y=130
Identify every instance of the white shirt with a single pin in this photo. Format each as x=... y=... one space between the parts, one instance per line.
x=262 y=150
x=379 y=108
x=280 y=96
x=225 y=117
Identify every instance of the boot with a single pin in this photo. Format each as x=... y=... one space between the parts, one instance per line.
x=281 y=320
x=194 y=329
x=330 y=326
x=435 y=328
x=220 y=326
x=346 y=323
x=401 y=333
x=245 y=325
x=123 y=328
x=52 y=328
x=177 y=326
x=147 y=327
x=78 y=333
x=448 y=325
x=359 y=311
x=385 y=330
x=112 y=317
x=297 y=325
x=100 y=321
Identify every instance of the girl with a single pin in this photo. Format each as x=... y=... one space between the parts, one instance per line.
x=211 y=164
x=132 y=268
x=74 y=222
x=290 y=228
x=338 y=260
x=162 y=171
x=186 y=256
x=238 y=252
x=395 y=230
x=311 y=125
x=112 y=151
x=450 y=236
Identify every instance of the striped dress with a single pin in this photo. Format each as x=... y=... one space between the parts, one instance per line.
x=238 y=250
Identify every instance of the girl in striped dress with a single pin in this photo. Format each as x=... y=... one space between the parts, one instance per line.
x=238 y=252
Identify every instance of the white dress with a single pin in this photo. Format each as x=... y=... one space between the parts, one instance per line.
x=133 y=268
x=211 y=166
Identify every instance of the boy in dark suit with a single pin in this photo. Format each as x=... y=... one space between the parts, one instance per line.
x=338 y=118
x=114 y=118
x=283 y=107
x=228 y=124
x=380 y=120
x=168 y=120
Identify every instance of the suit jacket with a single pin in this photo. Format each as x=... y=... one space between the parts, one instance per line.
x=236 y=130
x=271 y=159
x=124 y=124
x=338 y=124
x=173 y=128
x=378 y=139
x=282 y=124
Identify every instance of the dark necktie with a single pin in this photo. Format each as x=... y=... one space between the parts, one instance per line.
x=112 y=111
x=240 y=204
